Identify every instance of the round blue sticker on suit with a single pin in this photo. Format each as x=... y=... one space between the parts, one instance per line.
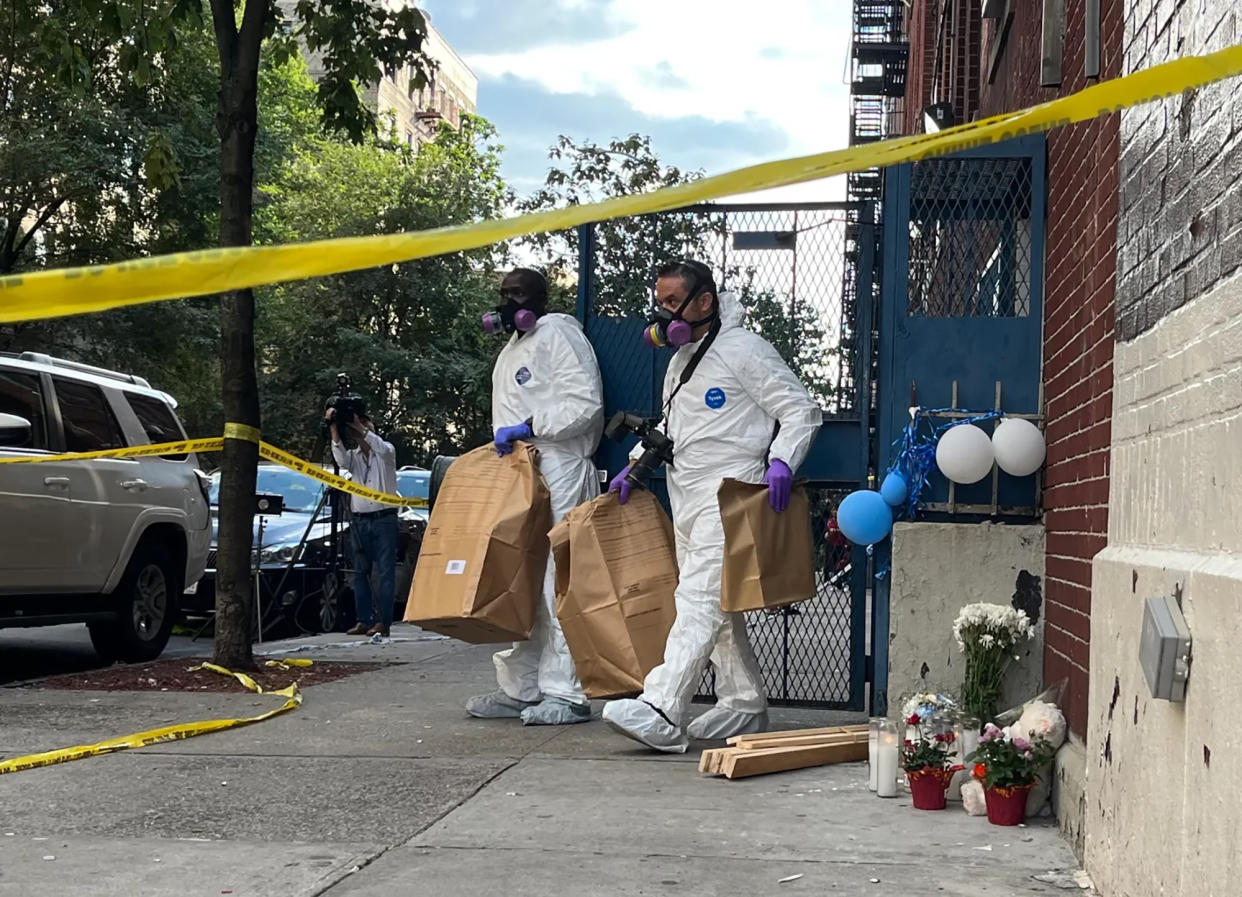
x=522 y=376
x=715 y=397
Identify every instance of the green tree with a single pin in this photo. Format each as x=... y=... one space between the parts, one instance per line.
x=794 y=330
x=408 y=334
x=60 y=132
x=627 y=250
x=356 y=40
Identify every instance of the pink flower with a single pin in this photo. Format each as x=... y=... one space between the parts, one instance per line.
x=1028 y=755
x=1022 y=744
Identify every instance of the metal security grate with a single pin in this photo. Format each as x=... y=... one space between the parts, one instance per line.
x=970 y=238
x=805 y=650
x=786 y=264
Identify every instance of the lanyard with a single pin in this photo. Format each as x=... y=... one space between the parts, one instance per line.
x=688 y=372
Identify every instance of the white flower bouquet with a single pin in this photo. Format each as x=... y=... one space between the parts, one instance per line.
x=987 y=635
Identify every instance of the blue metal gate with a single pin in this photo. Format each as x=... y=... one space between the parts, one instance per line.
x=961 y=315
x=804 y=275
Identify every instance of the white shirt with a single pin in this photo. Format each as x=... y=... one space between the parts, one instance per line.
x=376 y=470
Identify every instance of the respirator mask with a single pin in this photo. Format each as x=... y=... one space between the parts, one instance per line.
x=513 y=314
x=669 y=328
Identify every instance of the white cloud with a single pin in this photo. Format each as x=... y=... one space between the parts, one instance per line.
x=726 y=61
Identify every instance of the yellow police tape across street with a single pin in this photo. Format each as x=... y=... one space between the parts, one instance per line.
x=291 y=694
x=215 y=444
x=69 y=291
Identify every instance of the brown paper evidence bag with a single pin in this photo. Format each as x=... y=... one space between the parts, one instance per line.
x=480 y=570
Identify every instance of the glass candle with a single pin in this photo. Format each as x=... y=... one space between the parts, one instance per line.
x=873 y=743
x=886 y=759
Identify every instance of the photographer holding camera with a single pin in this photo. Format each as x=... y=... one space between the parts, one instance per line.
x=372 y=462
x=546 y=390
x=726 y=393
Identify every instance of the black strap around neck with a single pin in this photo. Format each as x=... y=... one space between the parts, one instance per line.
x=688 y=371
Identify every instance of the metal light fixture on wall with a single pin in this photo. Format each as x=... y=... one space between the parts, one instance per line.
x=938 y=116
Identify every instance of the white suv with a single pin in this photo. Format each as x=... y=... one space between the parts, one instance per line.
x=109 y=542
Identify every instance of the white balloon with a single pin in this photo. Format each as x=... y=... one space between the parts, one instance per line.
x=964 y=454
x=1018 y=446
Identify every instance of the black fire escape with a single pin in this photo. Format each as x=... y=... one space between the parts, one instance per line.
x=880 y=54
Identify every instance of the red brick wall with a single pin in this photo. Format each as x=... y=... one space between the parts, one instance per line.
x=957 y=75
x=921 y=33
x=1079 y=291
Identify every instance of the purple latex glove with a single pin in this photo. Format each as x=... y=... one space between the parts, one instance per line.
x=621 y=486
x=506 y=436
x=780 y=483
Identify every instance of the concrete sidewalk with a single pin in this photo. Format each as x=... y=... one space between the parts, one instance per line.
x=381 y=785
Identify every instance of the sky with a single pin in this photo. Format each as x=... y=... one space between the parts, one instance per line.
x=716 y=84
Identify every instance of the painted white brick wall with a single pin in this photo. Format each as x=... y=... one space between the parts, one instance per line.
x=1161 y=813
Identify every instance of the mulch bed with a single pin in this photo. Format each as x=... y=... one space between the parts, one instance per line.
x=176 y=675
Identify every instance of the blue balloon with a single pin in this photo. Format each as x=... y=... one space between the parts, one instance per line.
x=865 y=517
x=894 y=489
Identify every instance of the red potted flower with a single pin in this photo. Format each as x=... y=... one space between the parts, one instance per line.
x=1008 y=767
x=928 y=761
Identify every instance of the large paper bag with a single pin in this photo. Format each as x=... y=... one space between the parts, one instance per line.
x=616 y=572
x=769 y=557
x=480 y=570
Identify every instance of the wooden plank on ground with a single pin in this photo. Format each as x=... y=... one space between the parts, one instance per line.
x=796 y=733
x=803 y=741
x=740 y=764
x=709 y=761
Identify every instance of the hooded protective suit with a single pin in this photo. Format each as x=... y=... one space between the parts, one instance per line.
x=721 y=423
x=550 y=377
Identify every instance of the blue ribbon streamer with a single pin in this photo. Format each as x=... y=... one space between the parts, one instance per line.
x=915 y=457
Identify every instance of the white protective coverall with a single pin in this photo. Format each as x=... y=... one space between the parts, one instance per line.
x=721 y=423
x=550 y=376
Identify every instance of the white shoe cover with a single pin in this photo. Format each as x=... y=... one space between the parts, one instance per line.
x=720 y=722
x=640 y=721
x=556 y=712
x=496 y=705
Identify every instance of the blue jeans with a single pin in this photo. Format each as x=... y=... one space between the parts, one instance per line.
x=375 y=542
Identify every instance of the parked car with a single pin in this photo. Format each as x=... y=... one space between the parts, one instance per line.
x=110 y=542
x=414 y=482
x=303 y=587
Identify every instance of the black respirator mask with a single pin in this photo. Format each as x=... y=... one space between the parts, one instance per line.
x=516 y=312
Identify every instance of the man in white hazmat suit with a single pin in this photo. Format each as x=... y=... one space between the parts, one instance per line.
x=546 y=391
x=721 y=420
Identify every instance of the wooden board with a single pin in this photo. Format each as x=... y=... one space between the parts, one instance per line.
x=710 y=760
x=803 y=741
x=797 y=733
x=740 y=764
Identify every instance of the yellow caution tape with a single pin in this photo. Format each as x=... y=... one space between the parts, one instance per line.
x=69 y=291
x=315 y=472
x=244 y=432
x=288 y=663
x=240 y=431
x=156 y=736
x=184 y=447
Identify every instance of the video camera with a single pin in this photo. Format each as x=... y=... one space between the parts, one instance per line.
x=657 y=447
x=349 y=406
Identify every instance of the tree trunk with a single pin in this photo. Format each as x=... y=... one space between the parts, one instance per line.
x=236 y=121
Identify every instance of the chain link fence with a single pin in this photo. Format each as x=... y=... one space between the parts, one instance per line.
x=790 y=267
